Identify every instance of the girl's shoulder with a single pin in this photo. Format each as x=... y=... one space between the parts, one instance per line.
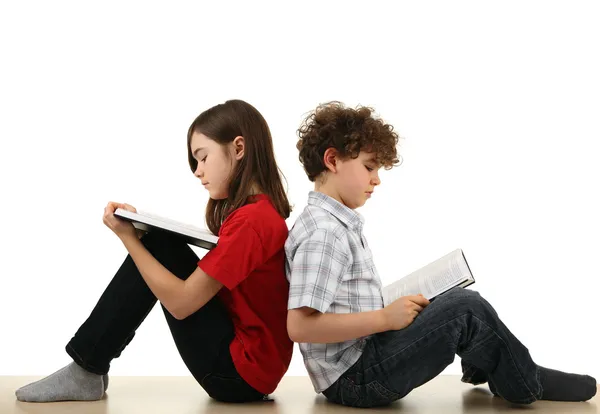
x=258 y=212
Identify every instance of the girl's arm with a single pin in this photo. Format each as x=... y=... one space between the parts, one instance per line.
x=180 y=297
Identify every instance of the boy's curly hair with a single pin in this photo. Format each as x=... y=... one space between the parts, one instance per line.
x=349 y=131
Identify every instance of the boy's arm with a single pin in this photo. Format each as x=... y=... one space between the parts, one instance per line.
x=309 y=325
x=317 y=269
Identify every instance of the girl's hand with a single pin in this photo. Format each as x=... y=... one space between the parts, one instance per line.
x=120 y=227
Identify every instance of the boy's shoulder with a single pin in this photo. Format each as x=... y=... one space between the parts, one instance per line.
x=314 y=219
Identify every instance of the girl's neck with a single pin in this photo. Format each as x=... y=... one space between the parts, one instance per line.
x=254 y=190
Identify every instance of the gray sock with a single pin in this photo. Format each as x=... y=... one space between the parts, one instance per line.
x=105 y=379
x=71 y=383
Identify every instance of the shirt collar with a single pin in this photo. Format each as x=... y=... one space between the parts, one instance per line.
x=351 y=219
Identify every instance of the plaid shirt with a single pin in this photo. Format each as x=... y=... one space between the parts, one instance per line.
x=330 y=268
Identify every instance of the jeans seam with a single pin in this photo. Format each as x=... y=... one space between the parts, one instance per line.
x=93 y=348
x=448 y=322
x=391 y=394
x=512 y=359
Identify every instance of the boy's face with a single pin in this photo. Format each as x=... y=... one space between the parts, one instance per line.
x=356 y=179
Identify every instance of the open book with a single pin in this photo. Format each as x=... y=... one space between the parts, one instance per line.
x=432 y=280
x=151 y=222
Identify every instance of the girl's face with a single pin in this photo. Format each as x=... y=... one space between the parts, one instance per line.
x=215 y=163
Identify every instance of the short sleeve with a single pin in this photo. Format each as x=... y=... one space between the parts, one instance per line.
x=238 y=253
x=316 y=270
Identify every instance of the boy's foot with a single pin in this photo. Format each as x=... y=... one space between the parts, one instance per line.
x=71 y=383
x=561 y=386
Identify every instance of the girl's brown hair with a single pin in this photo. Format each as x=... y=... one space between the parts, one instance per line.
x=223 y=123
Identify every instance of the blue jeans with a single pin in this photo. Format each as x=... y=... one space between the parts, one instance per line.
x=459 y=322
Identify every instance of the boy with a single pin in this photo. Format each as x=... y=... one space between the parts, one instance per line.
x=357 y=352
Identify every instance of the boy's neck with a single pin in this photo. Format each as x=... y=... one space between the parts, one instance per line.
x=328 y=190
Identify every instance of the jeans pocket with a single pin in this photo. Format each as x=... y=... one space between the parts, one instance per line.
x=377 y=395
x=345 y=392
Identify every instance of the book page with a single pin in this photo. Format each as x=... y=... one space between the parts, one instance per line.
x=445 y=278
x=193 y=235
x=430 y=280
x=174 y=223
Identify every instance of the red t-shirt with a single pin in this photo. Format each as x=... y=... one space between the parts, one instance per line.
x=249 y=261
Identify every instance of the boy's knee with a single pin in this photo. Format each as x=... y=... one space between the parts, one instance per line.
x=467 y=299
x=462 y=294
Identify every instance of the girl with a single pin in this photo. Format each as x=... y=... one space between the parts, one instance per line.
x=226 y=312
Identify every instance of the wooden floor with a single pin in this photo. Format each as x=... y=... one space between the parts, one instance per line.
x=182 y=395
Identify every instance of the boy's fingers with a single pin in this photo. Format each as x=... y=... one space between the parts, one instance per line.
x=417 y=307
x=419 y=300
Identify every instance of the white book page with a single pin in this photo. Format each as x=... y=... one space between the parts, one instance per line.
x=142 y=218
x=173 y=222
x=431 y=280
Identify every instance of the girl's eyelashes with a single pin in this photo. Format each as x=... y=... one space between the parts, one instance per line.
x=369 y=168
x=204 y=159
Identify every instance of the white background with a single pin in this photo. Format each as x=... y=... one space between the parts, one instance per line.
x=498 y=106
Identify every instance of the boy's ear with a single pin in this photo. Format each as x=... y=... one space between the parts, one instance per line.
x=239 y=145
x=330 y=159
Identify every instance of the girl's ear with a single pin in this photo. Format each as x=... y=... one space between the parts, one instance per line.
x=330 y=159
x=238 y=147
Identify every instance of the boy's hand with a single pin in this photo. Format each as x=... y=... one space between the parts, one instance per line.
x=403 y=311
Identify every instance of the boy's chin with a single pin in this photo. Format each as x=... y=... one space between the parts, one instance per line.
x=362 y=203
x=356 y=204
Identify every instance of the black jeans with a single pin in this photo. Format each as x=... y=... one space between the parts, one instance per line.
x=202 y=339
x=457 y=322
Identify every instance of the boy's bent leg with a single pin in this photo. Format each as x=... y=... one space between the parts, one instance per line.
x=458 y=322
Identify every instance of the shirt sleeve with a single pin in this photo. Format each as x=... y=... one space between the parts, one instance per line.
x=316 y=270
x=238 y=253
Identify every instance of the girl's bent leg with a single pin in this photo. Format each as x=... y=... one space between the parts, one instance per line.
x=125 y=304
x=110 y=327
x=203 y=340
